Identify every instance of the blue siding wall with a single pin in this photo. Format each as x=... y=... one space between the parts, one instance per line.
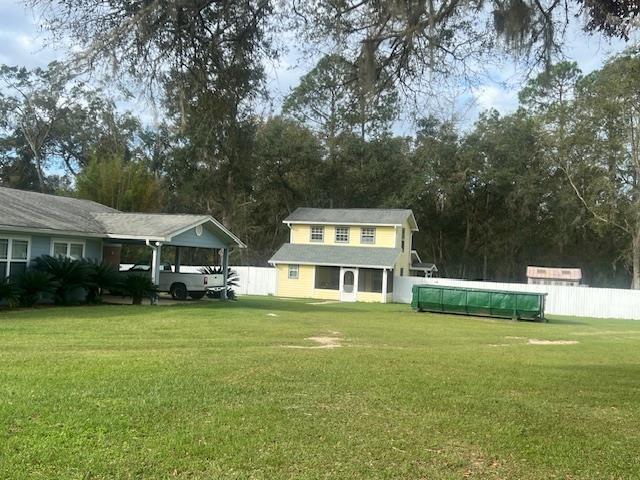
x=93 y=249
x=208 y=239
x=40 y=245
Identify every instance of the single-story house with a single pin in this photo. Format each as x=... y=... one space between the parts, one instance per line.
x=34 y=224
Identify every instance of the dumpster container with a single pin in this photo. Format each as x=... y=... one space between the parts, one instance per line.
x=470 y=301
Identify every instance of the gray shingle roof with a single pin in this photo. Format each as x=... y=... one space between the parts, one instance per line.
x=140 y=224
x=22 y=209
x=336 y=255
x=367 y=216
x=30 y=211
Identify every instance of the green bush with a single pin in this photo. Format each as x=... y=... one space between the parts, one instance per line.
x=102 y=277
x=138 y=287
x=70 y=276
x=33 y=284
x=232 y=281
x=9 y=292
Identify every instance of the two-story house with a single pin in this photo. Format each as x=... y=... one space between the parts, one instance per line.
x=345 y=254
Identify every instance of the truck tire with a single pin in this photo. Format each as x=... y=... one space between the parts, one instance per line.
x=196 y=295
x=178 y=291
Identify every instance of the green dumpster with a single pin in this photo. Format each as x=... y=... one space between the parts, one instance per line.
x=471 y=301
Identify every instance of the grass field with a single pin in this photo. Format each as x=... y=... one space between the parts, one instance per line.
x=212 y=390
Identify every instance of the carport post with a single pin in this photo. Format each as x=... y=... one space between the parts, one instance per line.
x=155 y=267
x=177 y=260
x=225 y=272
x=384 y=285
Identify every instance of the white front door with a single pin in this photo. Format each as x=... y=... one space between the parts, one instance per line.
x=348 y=284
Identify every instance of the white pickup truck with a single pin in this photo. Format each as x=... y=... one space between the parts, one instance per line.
x=180 y=285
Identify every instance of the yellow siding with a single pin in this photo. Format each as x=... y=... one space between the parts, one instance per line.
x=300 y=287
x=404 y=261
x=369 y=297
x=326 y=294
x=385 y=236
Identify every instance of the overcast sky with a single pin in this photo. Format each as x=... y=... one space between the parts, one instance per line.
x=22 y=43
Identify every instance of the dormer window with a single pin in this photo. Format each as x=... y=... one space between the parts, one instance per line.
x=317 y=234
x=368 y=235
x=342 y=234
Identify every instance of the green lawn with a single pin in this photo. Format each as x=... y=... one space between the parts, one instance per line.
x=210 y=390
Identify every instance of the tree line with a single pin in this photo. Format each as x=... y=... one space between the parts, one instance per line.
x=555 y=183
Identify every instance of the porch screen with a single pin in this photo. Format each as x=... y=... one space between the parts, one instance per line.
x=328 y=278
x=370 y=280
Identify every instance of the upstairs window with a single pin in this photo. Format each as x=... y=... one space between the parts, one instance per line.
x=317 y=234
x=294 y=272
x=14 y=255
x=368 y=235
x=342 y=234
x=402 y=239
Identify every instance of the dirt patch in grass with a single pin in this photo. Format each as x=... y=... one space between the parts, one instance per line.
x=322 y=342
x=534 y=341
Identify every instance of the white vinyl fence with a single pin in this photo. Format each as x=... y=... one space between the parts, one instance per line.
x=570 y=301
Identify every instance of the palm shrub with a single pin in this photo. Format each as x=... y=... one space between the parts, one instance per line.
x=138 y=287
x=102 y=277
x=70 y=275
x=232 y=280
x=33 y=285
x=9 y=292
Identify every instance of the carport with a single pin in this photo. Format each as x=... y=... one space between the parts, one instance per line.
x=165 y=230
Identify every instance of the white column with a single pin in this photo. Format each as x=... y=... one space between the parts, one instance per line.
x=225 y=272
x=155 y=263
x=384 y=285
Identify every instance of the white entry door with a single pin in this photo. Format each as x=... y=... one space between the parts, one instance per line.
x=348 y=284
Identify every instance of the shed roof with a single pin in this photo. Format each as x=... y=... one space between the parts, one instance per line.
x=37 y=212
x=331 y=255
x=353 y=216
x=554 y=273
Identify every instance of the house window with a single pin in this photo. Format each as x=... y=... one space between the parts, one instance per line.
x=402 y=241
x=327 y=278
x=402 y=272
x=368 y=235
x=14 y=255
x=294 y=272
x=342 y=234
x=317 y=234
x=370 y=280
x=69 y=249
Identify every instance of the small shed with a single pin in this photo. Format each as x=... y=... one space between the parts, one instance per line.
x=568 y=277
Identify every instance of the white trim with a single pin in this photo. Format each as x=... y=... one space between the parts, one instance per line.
x=10 y=260
x=362 y=229
x=335 y=237
x=290 y=270
x=307 y=222
x=68 y=242
x=349 y=296
x=322 y=264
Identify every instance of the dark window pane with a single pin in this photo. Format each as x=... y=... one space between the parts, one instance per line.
x=370 y=280
x=3 y=269
x=17 y=268
x=390 y=281
x=327 y=278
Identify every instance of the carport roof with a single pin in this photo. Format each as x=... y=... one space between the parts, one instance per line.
x=330 y=255
x=25 y=211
